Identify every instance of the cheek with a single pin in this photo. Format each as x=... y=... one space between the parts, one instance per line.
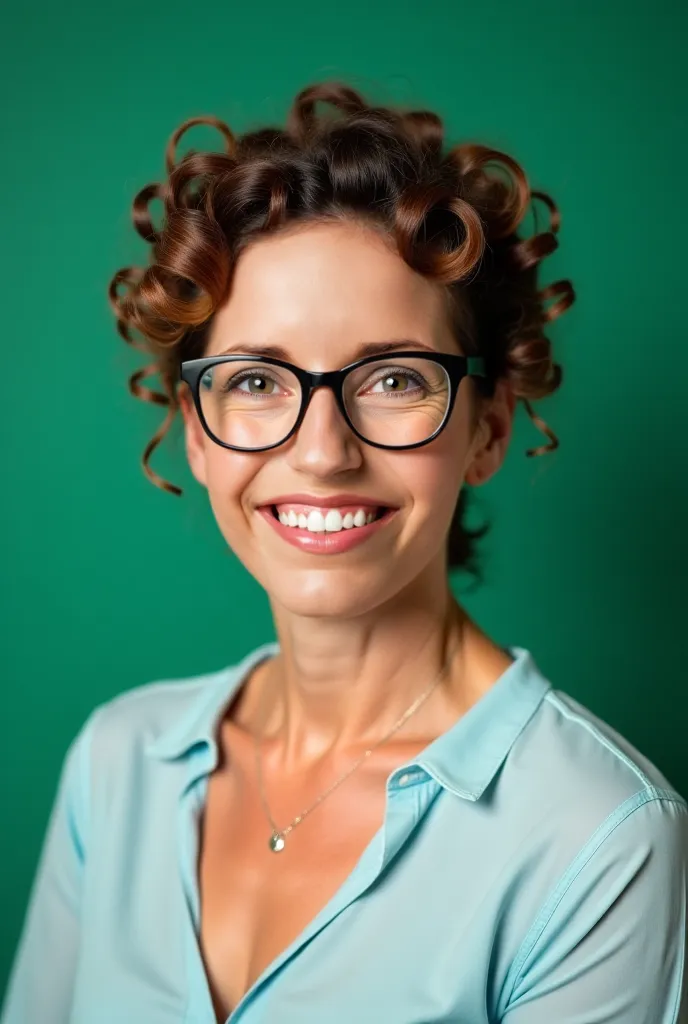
x=434 y=473
x=228 y=475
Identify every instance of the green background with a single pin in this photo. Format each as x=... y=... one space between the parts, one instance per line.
x=110 y=583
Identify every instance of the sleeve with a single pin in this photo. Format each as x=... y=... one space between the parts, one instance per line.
x=42 y=976
x=610 y=945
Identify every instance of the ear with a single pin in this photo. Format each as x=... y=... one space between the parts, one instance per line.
x=194 y=434
x=492 y=435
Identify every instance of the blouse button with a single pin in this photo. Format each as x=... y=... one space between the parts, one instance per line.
x=404 y=779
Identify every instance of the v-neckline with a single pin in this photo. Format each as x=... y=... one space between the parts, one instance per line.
x=383 y=845
x=362 y=875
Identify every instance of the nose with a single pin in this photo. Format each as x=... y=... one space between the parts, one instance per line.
x=324 y=444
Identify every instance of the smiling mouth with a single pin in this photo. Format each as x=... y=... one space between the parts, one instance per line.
x=329 y=520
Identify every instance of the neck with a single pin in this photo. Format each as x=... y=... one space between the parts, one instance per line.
x=339 y=685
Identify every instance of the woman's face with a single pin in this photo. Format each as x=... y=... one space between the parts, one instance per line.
x=319 y=293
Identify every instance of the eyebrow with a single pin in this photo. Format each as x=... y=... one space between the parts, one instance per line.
x=369 y=348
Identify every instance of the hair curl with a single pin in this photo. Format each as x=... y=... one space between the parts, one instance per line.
x=450 y=219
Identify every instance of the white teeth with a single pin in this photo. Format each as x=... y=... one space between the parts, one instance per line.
x=333 y=521
x=316 y=521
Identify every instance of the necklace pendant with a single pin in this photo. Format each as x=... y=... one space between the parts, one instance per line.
x=276 y=842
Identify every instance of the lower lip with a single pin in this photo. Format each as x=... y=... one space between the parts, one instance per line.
x=326 y=543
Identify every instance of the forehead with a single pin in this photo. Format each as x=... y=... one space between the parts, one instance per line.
x=323 y=289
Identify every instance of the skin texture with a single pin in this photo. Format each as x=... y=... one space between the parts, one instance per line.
x=362 y=633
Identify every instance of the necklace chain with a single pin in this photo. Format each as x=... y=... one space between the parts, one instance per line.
x=277 y=839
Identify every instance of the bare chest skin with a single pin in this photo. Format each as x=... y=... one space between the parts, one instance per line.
x=255 y=902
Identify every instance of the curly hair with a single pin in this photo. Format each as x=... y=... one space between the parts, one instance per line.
x=449 y=217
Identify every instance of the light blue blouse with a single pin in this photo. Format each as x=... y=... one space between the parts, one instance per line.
x=531 y=869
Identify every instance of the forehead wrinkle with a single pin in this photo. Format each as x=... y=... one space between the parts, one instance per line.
x=362 y=350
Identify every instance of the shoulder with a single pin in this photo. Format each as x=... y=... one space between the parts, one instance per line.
x=609 y=835
x=592 y=795
x=577 y=787
x=568 y=766
x=589 y=755
x=140 y=716
x=162 y=717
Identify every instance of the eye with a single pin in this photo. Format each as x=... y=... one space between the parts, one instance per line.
x=253 y=382
x=396 y=381
x=257 y=384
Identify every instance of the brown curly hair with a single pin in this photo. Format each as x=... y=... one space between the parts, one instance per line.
x=451 y=220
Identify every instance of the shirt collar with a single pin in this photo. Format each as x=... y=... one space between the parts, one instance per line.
x=201 y=714
x=466 y=757
x=463 y=760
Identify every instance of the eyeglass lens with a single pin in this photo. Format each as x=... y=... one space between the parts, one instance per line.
x=251 y=404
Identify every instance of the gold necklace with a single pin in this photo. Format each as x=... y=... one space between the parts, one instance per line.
x=278 y=837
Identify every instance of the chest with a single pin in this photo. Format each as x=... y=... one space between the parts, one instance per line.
x=255 y=902
x=424 y=930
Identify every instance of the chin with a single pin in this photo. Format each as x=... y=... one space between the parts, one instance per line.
x=340 y=595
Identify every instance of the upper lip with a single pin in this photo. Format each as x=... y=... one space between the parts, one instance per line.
x=326 y=501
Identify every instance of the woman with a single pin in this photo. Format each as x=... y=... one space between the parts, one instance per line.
x=384 y=815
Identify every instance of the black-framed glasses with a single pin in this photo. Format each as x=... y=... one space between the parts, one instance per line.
x=399 y=400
